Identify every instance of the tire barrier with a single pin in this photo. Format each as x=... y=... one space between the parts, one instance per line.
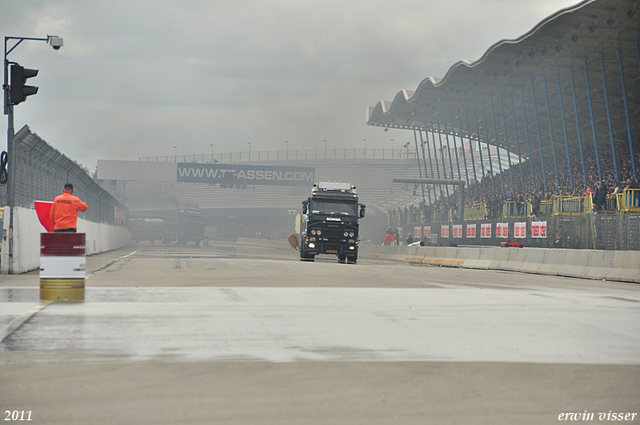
x=621 y=266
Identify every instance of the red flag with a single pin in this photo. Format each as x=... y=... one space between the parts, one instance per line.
x=42 y=209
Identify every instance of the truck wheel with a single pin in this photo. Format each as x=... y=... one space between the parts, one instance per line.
x=304 y=256
x=342 y=258
x=352 y=260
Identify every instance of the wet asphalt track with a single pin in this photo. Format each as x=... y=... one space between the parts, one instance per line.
x=527 y=347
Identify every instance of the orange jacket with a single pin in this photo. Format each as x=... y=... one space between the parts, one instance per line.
x=64 y=211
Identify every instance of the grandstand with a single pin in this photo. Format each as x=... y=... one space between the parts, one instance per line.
x=559 y=109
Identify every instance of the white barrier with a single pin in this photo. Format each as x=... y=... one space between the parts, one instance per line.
x=26 y=239
x=611 y=265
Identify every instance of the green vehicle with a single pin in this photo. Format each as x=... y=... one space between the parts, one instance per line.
x=188 y=226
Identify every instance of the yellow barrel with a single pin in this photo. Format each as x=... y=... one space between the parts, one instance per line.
x=62 y=266
x=62 y=289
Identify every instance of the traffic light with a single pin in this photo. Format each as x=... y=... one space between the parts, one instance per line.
x=19 y=92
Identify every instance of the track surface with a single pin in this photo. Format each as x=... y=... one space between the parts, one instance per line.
x=231 y=334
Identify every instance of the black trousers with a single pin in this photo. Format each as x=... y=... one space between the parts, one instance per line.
x=65 y=231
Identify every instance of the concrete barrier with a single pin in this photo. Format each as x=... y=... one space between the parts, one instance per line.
x=100 y=237
x=590 y=264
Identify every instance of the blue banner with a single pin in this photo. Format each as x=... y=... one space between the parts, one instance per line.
x=234 y=174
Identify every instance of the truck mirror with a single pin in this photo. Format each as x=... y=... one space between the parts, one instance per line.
x=362 y=207
x=304 y=207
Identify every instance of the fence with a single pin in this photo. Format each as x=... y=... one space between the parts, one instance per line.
x=41 y=172
x=288 y=154
x=602 y=232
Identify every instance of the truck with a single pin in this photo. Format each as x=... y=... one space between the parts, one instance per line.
x=188 y=226
x=329 y=222
x=146 y=229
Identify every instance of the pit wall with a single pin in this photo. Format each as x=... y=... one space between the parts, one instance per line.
x=588 y=264
x=26 y=239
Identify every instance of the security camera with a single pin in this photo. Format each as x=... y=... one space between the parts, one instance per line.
x=56 y=42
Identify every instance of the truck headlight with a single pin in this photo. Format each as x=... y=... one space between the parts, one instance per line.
x=313 y=232
x=346 y=234
x=352 y=248
x=351 y=234
x=312 y=245
x=319 y=232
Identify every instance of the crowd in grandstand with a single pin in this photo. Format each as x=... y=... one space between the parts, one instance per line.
x=550 y=182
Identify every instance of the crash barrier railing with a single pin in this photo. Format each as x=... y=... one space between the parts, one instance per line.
x=40 y=172
x=589 y=231
x=628 y=201
x=475 y=212
x=572 y=205
x=515 y=209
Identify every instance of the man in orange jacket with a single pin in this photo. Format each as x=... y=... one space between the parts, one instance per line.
x=64 y=211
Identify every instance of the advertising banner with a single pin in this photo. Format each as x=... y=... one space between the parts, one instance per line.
x=444 y=231
x=539 y=229
x=238 y=175
x=427 y=232
x=502 y=230
x=457 y=230
x=471 y=231
x=485 y=230
x=520 y=230
x=417 y=232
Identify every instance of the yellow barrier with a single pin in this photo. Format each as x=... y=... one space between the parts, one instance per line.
x=629 y=201
x=512 y=209
x=572 y=205
x=475 y=213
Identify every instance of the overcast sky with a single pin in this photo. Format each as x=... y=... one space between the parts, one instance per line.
x=136 y=77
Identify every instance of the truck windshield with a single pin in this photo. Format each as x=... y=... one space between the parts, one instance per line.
x=326 y=207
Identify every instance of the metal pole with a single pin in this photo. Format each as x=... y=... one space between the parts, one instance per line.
x=455 y=146
x=606 y=102
x=415 y=138
x=593 y=121
x=526 y=133
x=484 y=181
x=553 y=145
x=535 y=110
x=473 y=160
x=486 y=138
x=626 y=112
x=464 y=156
x=426 y=138
x=424 y=160
x=506 y=142
x=495 y=133
x=444 y=167
x=435 y=155
x=515 y=131
x=446 y=137
x=564 y=129
x=575 y=108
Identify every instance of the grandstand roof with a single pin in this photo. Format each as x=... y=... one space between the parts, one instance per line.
x=593 y=39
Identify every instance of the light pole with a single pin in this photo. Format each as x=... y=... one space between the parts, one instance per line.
x=211 y=144
x=175 y=150
x=56 y=43
x=325 y=148
x=287 y=142
x=365 y=148
x=393 y=147
x=249 y=150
